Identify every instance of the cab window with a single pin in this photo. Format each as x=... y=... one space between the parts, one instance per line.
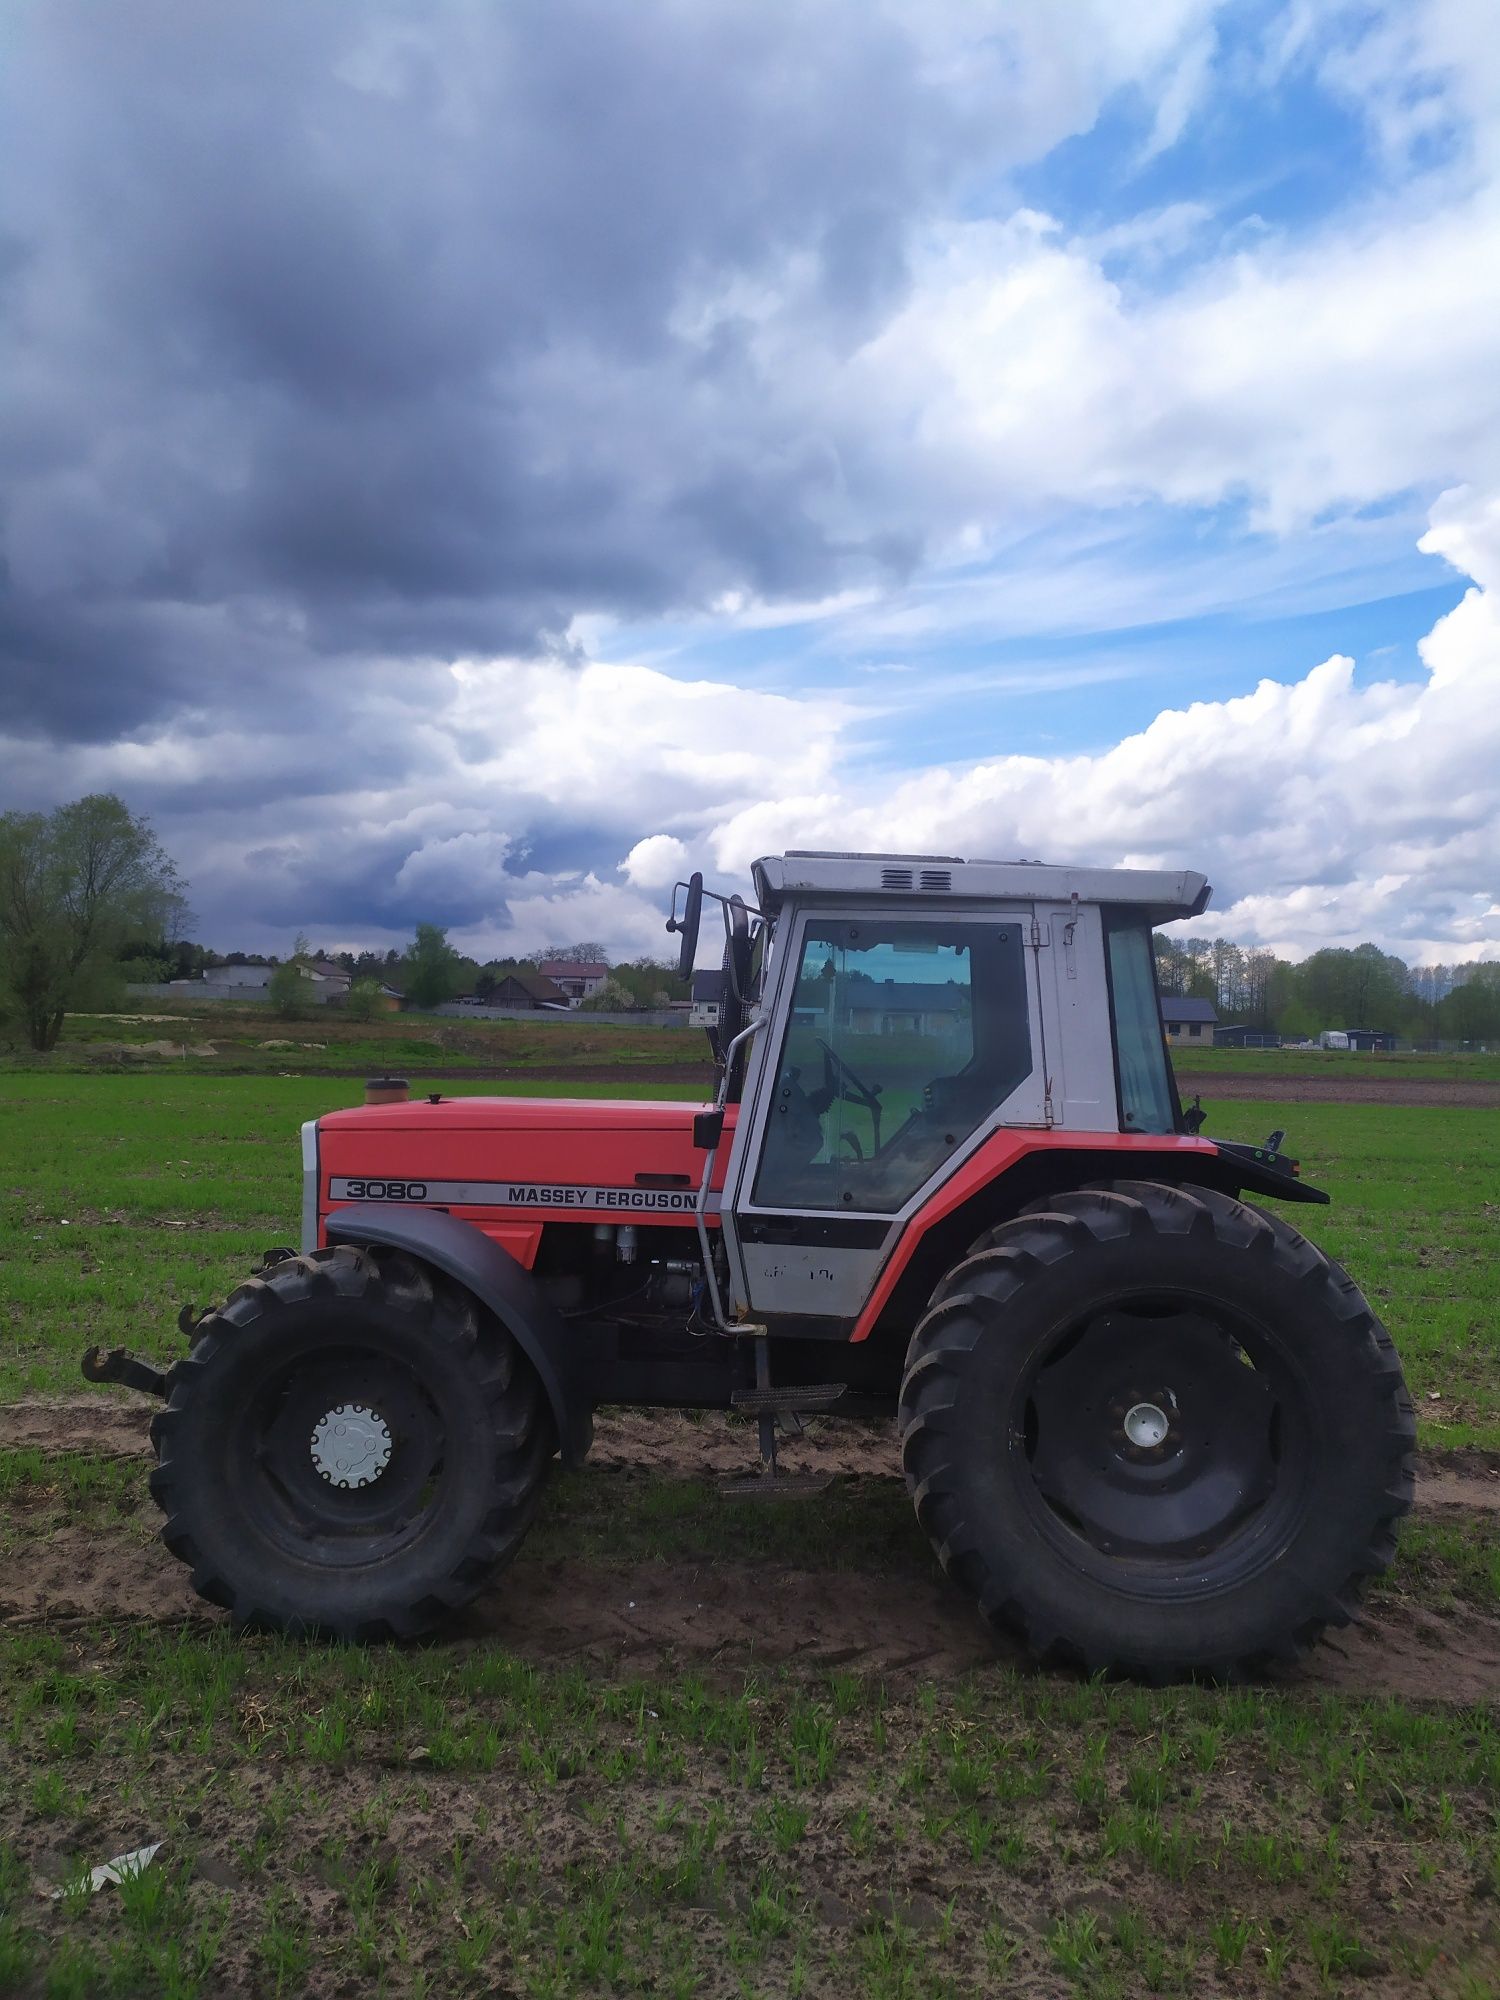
x=1147 y=1098
x=903 y=1038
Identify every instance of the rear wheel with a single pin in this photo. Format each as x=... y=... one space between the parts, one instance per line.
x=1155 y=1431
x=353 y=1447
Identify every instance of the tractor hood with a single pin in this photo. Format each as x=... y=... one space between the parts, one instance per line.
x=595 y=1157
x=517 y=1114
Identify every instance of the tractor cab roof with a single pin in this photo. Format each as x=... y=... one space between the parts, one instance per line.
x=1163 y=894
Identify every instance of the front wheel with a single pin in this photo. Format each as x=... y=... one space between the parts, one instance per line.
x=1155 y=1431
x=353 y=1447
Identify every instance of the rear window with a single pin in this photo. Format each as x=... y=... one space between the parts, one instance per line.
x=1148 y=1100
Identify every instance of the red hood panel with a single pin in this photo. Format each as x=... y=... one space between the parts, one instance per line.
x=549 y=1143
x=519 y=1114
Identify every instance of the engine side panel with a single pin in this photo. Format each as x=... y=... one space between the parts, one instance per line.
x=511 y=1165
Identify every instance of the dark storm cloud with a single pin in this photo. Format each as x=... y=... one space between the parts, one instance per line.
x=354 y=327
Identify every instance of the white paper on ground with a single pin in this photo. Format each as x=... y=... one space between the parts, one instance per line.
x=122 y=1864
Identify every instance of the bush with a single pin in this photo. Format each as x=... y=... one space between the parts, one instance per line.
x=363 y=1000
x=610 y=998
x=287 y=992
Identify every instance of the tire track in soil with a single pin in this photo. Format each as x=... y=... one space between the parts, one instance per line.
x=724 y=1614
x=730 y=1615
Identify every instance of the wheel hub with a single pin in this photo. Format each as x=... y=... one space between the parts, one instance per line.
x=1146 y=1425
x=351 y=1445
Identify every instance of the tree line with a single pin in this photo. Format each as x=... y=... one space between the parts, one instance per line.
x=90 y=902
x=1356 y=987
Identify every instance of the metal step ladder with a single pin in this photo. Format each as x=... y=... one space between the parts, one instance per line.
x=770 y=1406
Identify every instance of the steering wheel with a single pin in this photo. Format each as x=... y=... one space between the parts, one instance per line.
x=840 y=1081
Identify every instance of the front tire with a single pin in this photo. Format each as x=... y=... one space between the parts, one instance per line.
x=352 y=1448
x=1155 y=1431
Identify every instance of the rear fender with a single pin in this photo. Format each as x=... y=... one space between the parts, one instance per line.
x=494 y=1277
x=994 y=1184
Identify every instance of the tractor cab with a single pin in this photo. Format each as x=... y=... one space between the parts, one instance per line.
x=884 y=1017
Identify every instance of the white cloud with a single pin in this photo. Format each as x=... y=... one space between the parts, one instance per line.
x=656 y=862
x=1325 y=373
x=1326 y=811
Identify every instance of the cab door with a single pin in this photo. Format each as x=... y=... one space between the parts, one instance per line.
x=895 y=1045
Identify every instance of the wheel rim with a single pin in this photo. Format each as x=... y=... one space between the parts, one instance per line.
x=1158 y=1433
x=340 y=1458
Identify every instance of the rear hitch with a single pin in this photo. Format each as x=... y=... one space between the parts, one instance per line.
x=118 y=1366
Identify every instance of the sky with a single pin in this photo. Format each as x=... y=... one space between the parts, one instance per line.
x=472 y=463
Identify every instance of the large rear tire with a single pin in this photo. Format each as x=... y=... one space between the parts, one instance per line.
x=1157 y=1432
x=352 y=1448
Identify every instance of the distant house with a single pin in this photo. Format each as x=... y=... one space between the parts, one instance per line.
x=708 y=994
x=533 y=990
x=881 y=1006
x=332 y=978
x=1188 y=1020
x=251 y=979
x=579 y=979
x=903 y=1007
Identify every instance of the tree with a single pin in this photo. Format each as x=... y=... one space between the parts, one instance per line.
x=362 y=1002
x=431 y=971
x=75 y=884
x=1471 y=1011
x=288 y=990
x=587 y=953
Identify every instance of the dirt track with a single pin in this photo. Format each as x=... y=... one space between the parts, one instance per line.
x=723 y=1611
x=1279 y=1087
x=655 y=1613
x=661 y=1442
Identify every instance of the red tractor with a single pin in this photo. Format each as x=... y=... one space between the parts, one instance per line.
x=1147 y=1426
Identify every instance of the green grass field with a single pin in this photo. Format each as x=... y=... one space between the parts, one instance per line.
x=125 y=1197
x=456 y=1822
x=247 y=1038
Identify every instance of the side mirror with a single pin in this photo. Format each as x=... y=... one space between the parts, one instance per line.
x=687 y=923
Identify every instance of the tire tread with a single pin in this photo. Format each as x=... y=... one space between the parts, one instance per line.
x=962 y=1313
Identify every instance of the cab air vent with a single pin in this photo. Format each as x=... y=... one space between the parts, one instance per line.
x=895 y=878
x=936 y=878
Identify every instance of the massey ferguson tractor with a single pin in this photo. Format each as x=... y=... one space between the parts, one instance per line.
x=1147 y=1426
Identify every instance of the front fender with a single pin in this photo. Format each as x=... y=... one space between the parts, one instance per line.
x=511 y=1293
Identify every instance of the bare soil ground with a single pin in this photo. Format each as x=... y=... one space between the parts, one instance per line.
x=663 y=1442
x=1283 y=1087
x=723 y=1610
x=656 y=1615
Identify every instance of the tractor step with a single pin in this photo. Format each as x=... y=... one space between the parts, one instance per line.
x=774 y=1486
x=796 y=1399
